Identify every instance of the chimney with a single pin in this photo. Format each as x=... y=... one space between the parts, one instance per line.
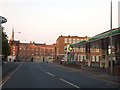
x=33 y=42
x=12 y=38
x=30 y=42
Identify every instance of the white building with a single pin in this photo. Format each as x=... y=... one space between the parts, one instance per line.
x=11 y=58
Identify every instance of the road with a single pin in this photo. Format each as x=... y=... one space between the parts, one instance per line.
x=48 y=75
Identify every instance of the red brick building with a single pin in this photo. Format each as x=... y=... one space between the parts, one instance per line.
x=61 y=45
x=30 y=51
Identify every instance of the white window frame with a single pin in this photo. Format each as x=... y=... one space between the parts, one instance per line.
x=66 y=40
x=97 y=58
x=84 y=57
x=93 y=58
x=74 y=40
x=81 y=57
x=70 y=40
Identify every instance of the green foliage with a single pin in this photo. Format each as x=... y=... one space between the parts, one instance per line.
x=5 y=45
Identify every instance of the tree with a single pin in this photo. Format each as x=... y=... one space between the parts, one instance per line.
x=5 y=45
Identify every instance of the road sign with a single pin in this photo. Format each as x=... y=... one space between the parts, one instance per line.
x=2 y=20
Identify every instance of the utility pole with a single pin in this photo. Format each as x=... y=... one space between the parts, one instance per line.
x=111 y=44
x=2 y=20
x=12 y=42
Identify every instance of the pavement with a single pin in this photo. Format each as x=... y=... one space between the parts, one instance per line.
x=103 y=73
x=7 y=67
x=99 y=73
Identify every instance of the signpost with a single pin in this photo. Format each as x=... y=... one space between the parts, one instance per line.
x=2 y=20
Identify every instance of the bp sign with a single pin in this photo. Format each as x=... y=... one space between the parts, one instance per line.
x=70 y=48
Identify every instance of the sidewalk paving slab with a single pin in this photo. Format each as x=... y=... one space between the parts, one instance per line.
x=95 y=72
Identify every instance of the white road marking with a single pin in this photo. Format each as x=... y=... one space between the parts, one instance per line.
x=9 y=76
x=50 y=73
x=69 y=83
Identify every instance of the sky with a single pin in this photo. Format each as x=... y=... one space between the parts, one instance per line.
x=43 y=21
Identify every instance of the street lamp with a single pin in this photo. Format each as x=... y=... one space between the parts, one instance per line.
x=111 y=43
x=2 y=20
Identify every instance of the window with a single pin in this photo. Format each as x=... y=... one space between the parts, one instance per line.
x=14 y=47
x=97 y=58
x=91 y=49
x=81 y=49
x=74 y=40
x=97 y=50
x=77 y=50
x=78 y=40
x=81 y=59
x=65 y=40
x=13 y=53
x=93 y=58
x=84 y=57
x=70 y=40
x=81 y=39
x=20 y=48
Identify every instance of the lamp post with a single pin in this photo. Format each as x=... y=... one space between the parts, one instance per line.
x=2 y=20
x=111 y=43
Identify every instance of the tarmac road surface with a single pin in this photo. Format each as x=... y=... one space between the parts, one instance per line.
x=48 y=75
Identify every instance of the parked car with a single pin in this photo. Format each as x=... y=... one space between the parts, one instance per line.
x=118 y=62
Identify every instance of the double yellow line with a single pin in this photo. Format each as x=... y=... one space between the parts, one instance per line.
x=2 y=82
